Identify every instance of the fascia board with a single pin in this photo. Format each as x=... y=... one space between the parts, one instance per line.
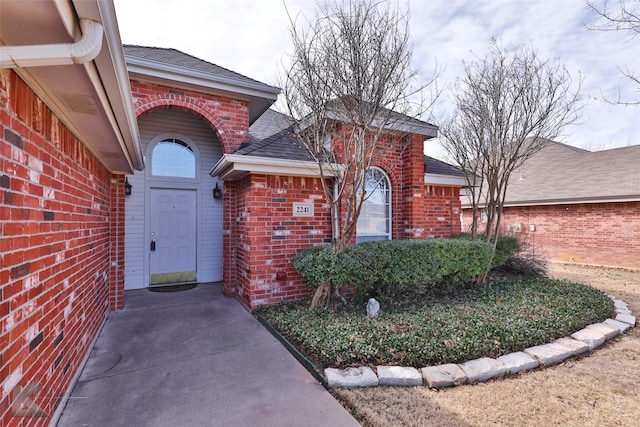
x=576 y=201
x=118 y=85
x=234 y=166
x=172 y=73
x=435 y=179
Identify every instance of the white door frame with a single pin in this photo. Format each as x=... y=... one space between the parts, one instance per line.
x=171 y=184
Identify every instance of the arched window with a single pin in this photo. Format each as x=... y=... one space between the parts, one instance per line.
x=172 y=157
x=374 y=222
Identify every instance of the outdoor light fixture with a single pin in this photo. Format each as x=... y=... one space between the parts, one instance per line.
x=127 y=187
x=217 y=192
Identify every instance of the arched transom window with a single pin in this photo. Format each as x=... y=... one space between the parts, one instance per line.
x=172 y=157
x=374 y=222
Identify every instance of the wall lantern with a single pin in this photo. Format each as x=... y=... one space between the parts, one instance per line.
x=127 y=187
x=217 y=192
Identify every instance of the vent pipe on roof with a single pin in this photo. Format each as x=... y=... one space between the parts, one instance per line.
x=80 y=52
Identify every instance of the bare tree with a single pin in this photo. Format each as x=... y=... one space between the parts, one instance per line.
x=348 y=88
x=623 y=17
x=509 y=105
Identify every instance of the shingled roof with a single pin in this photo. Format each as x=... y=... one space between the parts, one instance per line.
x=437 y=167
x=271 y=137
x=560 y=173
x=177 y=58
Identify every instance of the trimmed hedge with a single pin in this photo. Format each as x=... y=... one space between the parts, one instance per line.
x=506 y=248
x=392 y=266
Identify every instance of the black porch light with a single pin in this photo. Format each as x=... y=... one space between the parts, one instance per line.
x=127 y=187
x=217 y=192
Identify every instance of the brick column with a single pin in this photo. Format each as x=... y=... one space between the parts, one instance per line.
x=116 y=243
x=413 y=200
x=229 y=244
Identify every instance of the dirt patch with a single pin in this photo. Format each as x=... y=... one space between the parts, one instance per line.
x=600 y=389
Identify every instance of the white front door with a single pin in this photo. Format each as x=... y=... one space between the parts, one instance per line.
x=173 y=236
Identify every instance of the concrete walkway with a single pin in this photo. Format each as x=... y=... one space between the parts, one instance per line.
x=194 y=358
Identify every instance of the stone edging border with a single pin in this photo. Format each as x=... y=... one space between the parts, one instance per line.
x=486 y=368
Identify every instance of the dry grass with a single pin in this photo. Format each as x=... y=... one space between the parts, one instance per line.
x=601 y=389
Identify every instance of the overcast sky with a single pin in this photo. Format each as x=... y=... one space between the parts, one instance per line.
x=252 y=37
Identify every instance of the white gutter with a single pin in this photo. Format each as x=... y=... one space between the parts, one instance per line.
x=80 y=52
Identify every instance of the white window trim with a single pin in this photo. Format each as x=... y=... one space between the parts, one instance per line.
x=149 y=158
x=389 y=218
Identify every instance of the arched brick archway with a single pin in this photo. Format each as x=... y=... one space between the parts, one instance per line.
x=185 y=103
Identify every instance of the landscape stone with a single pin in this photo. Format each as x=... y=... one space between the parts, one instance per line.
x=577 y=346
x=619 y=303
x=446 y=375
x=483 y=369
x=518 y=362
x=623 y=311
x=608 y=331
x=626 y=318
x=590 y=337
x=622 y=327
x=351 y=377
x=398 y=376
x=550 y=354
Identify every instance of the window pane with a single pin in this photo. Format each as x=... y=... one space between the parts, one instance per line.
x=374 y=220
x=173 y=157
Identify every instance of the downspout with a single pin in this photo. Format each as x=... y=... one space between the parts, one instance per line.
x=336 y=217
x=80 y=52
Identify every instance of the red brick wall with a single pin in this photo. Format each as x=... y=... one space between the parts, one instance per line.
x=263 y=234
x=269 y=235
x=55 y=201
x=228 y=117
x=442 y=211
x=589 y=233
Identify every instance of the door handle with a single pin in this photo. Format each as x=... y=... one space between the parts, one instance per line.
x=153 y=241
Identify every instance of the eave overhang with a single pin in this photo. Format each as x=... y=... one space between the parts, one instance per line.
x=92 y=99
x=445 y=180
x=567 y=201
x=232 y=167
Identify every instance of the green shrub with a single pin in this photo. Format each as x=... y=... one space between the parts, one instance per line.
x=506 y=248
x=394 y=267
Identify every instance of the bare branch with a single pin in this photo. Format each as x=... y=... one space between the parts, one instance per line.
x=623 y=17
x=509 y=105
x=354 y=96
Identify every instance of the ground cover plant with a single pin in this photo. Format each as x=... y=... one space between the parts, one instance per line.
x=599 y=389
x=441 y=324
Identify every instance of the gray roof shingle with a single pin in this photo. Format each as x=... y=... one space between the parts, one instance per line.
x=271 y=136
x=438 y=167
x=180 y=59
x=560 y=172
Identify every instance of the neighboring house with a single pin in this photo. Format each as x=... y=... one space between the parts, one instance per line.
x=131 y=167
x=577 y=206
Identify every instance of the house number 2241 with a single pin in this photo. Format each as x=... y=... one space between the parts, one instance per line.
x=303 y=209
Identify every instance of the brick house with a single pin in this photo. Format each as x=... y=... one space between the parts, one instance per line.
x=577 y=206
x=131 y=167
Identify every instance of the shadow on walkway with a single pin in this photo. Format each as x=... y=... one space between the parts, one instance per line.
x=194 y=358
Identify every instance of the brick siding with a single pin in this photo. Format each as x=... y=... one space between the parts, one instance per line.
x=605 y=234
x=229 y=118
x=263 y=235
x=55 y=240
